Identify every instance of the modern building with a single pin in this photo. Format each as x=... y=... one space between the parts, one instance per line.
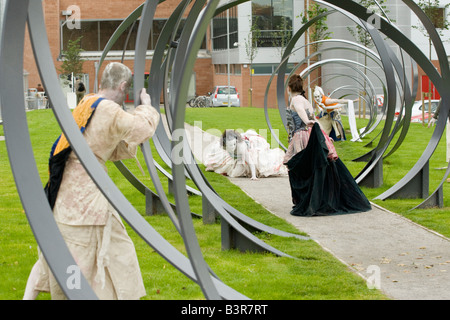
x=409 y=25
x=224 y=57
x=218 y=62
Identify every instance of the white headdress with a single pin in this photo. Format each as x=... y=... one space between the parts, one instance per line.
x=318 y=92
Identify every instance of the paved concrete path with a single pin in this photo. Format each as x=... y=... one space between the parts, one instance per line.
x=406 y=260
x=411 y=261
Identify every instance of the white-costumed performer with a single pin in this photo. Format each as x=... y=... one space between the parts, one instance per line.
x=244 y=155
x=330 y=116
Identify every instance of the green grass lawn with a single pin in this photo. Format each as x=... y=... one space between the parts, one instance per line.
x=313 y=273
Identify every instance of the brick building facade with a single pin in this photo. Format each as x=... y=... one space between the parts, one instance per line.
x=211 y=65
x=206 y=75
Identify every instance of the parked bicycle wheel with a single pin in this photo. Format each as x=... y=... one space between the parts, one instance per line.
x=191 y=102
x=199 y=102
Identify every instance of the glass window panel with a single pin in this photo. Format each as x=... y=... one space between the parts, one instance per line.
x=220 y=30
x=237 y=69
x=274 y=19
x=107 y=29
x=89 y=33
x=96 y=34
x=262 y=69
x=158 y=26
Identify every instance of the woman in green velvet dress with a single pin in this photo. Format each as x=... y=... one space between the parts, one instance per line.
x=320 y=182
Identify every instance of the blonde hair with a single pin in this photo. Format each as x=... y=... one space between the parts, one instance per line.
x=114 y=74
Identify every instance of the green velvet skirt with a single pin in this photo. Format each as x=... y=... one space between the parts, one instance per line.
x=320 y=186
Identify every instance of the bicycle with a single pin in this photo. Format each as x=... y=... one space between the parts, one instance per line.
x=191 y=102
x=202 y=102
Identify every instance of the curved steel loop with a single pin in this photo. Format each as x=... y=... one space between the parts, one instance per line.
x=358 y=16
x=139 y=67
x=154 y=88
x=374 y=111
x=388 y=69
x=18 y=143
x=282 y=71
x=385 y=132
x=377 y=115
x=407 y=104
x=159 y=72
x=186 y=60
x=170 y=56
x=369 y=102
x=438 y=81
x=151 y=164
x=373 y=56
x=141 y=49
x=349 y=63
x=189 y=162
x=435 y=192
x=130 y=20
x=372 y=124
x=102 y=180
x=366 y=126
x=223 y=208
x=142 y=188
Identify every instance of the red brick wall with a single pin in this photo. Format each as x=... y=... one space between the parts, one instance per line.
x=203 y=69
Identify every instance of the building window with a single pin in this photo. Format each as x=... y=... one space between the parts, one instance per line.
x=96 y=34
x=274 y=20
x=236 y=69
x=269 y=69
x=223 y=69
x=219 y=30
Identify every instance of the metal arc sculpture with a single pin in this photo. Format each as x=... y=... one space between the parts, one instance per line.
x=171 y=54
x=395 y=80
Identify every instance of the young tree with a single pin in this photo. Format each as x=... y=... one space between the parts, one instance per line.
x=316 y=32
x=362 y=36
x=282 y=35
x=72 y=62
x=319 y=30
x=251 y=49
